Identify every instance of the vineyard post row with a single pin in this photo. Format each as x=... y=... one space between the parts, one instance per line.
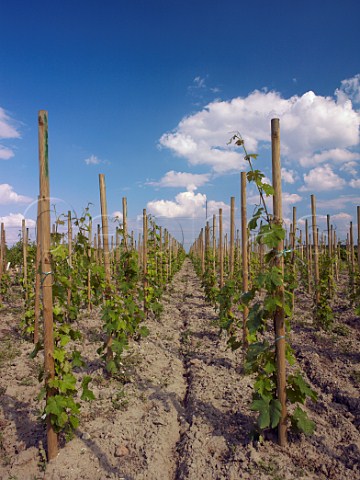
x=310 y=258
x=129 y=268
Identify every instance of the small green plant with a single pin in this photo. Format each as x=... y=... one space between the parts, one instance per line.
x=5 y=284
x=341 y=329
x=8 y=351
x=63 y=405
x=323 y=313
x=121 y=312
x=119 y=401
x=262 y=301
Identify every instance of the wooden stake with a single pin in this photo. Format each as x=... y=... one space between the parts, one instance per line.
x=329 y=254
x=214 y=244
x=2 y=251
x=293 y=256
x=279 y=317
x=37 y=273
x=308 y=256
x=99 y=247
x=105 y=232
x=202 y=251
x=125 y=234
x=69 y=258
x=105 y=228
x=352 y=263
x=358 y=237
x=336 y=257
x=221 y=249
x=145 y=242
x=244 y=252
x=47 y=277
x=24 y=251
x=232 y=237
x=96 y=250
x=89 y=269
x=316 y=250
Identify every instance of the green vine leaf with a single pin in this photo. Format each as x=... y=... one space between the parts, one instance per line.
x=301 y=422
x=87 y=394
x=269 y=412
x=298 y=389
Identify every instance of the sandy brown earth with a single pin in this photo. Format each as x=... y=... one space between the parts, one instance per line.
x=180 y=409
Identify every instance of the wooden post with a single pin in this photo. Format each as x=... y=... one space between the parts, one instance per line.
x=47 y=277
x=232 y=237
x=70 y=258
x=2 y=251
x=248 y=255
x=105 y=228
x=105 y=232
x=358 y=237
x=221 y=249
x=244 y=251
x=237 y=251
x=161 y=266
x=24 y=252
x=145 y=271
x=99 y=247
x=170 y=257
x=89 y=269
x=207 y=243
x=329 y=254
x=316 y=250
x=214 y=244
x=352 y=263
x=293 y=255
x=260 y=249
x=279 y=316
x=3 y=245
x=202 y=251
x=335 y=249
x=328 y=235
x=37 y=273
x=124 y=207
x=308 y=256
x=117 y=248
x=96 y=250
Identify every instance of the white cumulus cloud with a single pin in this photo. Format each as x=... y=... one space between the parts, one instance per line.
x=321 y=179
x=339 y=203
x=309 y=124
x=355 y=183
x=8 y=195
x=5 y=153
x=288 y=200
x=186 y=205
x=350 y=89
x=289 y=176
x=117 y=215
x=350 y=168
x=190 y=181
x=94 y=160
x=15 y=220
x=13 y=224
x=335 y=155
x=7 y=131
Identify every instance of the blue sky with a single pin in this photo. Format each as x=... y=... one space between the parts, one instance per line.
x=149 y=92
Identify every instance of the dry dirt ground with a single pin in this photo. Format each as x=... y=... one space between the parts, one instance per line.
x=180 y=409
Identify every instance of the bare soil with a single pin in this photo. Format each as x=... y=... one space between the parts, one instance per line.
x=180 y=408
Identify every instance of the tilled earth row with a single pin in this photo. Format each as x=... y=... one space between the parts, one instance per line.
x=181 y=407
